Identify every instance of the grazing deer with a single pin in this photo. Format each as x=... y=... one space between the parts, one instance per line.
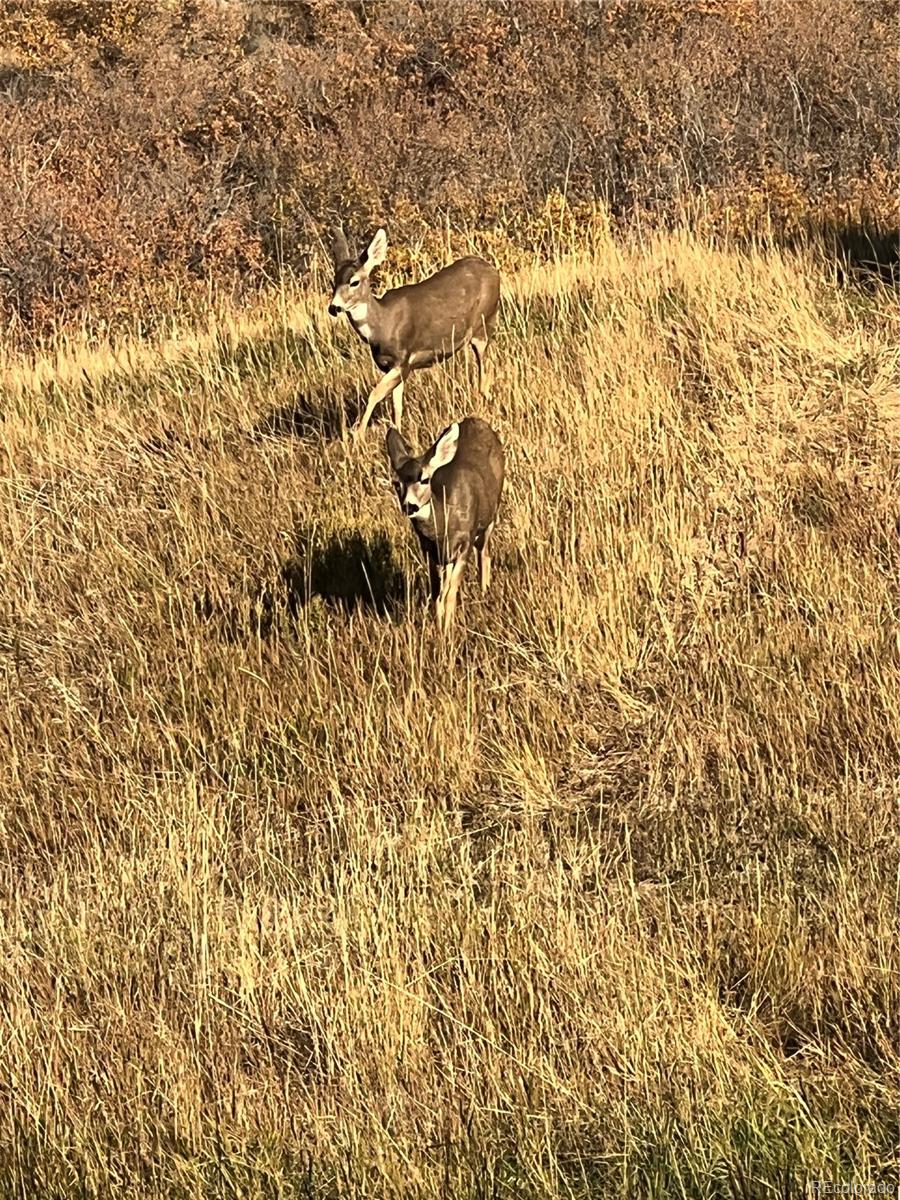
x=451 y=494
x=416 y=325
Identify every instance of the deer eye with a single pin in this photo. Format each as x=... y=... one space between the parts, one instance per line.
x=354 y=283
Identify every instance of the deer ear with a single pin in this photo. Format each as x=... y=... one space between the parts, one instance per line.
x=376 y=252
x=444 y=449
x=397 y=449
x=340 y=251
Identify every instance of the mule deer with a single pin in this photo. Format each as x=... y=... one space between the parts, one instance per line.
x=416 y=325
x=451 y=494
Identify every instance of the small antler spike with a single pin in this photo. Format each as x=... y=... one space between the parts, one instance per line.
x=340 y=251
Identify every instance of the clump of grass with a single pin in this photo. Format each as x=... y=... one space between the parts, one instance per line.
x=599 y=896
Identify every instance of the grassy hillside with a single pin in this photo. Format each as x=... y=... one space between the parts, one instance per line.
x=600 y=897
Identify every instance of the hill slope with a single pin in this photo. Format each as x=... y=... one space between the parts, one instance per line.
x=297 y=901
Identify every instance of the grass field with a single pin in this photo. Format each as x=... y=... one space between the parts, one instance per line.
x=599 y=898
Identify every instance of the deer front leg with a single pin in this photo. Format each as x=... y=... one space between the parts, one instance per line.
x=382 y=389
x=398 y=403
x=441 y=598
x=451 y=576
x=435 y=576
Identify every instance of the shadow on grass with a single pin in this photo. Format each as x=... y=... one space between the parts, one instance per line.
x=308 y=417
x=863 y=253
x=347 y=571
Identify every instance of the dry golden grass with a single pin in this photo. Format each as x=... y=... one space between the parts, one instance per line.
x=599 y=898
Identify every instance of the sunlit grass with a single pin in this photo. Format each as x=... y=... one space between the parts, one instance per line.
x=600 y=896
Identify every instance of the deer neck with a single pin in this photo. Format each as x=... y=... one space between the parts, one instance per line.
x=365 y=317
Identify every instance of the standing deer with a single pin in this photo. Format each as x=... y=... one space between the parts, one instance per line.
x=451 y=494
x=416 y=325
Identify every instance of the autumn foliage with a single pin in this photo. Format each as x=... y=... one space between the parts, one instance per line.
x=201 y=142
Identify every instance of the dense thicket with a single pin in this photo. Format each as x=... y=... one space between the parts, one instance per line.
x=180 y=141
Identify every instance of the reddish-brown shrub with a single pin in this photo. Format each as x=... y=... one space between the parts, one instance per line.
x=146 y=144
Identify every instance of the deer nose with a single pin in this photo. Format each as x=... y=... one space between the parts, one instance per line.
x=333 y=310
x=409 y=508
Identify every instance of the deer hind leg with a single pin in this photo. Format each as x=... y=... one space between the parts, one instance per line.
x=382 y=389
x=479 y=346
x=484 y=559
